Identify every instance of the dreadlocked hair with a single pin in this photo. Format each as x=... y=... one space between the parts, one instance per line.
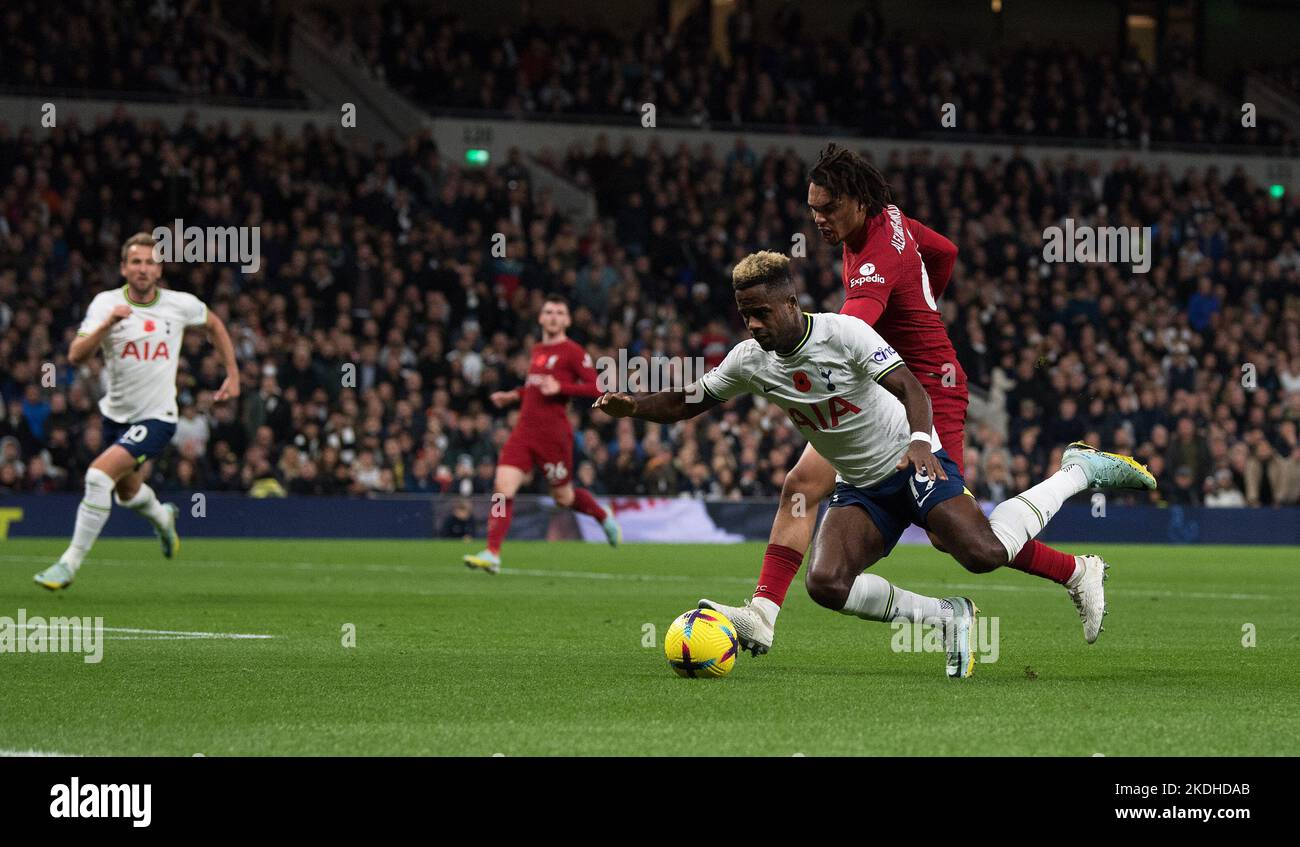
x=846 y=174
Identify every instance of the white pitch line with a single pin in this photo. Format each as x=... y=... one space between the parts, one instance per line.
x=35 y=754
x=164 y=633
x=616 y=576
x=598 y=575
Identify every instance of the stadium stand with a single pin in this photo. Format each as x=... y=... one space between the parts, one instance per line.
x=866 y=82
x=379 y=259
x=146 y=50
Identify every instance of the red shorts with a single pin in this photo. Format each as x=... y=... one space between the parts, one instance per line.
x=949 y=405
x=553 y=454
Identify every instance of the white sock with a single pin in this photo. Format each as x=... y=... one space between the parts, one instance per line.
x=1075 y=578
x=146 y=504
x=92 y=514
x=1016 y=521
x=767 y=608
x=874 y=598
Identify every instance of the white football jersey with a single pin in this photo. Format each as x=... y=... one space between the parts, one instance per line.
x=829 y=385
x=141 y=353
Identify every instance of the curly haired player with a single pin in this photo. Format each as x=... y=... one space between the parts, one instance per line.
x=861 y=408
x=894 y=271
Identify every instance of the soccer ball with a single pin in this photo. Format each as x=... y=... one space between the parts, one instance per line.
x=701 y=643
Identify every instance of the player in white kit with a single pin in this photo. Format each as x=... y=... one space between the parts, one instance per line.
x=139 y=328
x=851 y=395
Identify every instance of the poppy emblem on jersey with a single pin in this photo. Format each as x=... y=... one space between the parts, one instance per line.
x=149 y=326
x=801 y=381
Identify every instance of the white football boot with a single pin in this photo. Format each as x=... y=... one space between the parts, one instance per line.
x=753 y=629
x=957 y=638
x=1088 y=591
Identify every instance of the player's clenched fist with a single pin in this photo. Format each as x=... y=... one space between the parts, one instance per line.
x=615 y=404
x=120 y=313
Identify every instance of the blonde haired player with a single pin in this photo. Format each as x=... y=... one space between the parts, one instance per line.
x=139 y=329
x=850 y=393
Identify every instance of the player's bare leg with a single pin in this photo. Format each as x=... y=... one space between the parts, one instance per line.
x=582 y=502
x=504 y=488
x=847 y=544
x=102 y=476
x=810 y=481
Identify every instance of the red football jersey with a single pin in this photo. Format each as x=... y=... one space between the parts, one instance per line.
x=881 y=287
x=571 y=366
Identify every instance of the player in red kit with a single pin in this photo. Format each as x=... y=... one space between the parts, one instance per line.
x=542 y=438
x=894 y=271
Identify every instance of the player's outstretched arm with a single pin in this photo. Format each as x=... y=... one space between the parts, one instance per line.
x=226 y=350
x=501 y=399
x=659 y=407
x=902 y=384
x=84 y=346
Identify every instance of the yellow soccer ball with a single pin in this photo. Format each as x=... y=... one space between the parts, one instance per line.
x=701 y=643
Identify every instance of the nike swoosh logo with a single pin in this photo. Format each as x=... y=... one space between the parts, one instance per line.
x=767 y=388
x=921 y=501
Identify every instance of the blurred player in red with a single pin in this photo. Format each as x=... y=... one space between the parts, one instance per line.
x=894 y=271
x=542 y=438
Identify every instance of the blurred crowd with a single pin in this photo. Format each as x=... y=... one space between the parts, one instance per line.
x=146 y=47
x=775 y=76
x=380 y=320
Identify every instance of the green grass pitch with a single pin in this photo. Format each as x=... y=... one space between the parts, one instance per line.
x=547 y=658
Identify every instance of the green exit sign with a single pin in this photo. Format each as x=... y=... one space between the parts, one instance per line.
x=1277 y=191
x=477 y=156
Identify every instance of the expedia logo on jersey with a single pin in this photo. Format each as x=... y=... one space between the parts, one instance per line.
x=868 y=274
x=828 y=414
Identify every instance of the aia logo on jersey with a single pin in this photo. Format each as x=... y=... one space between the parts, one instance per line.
x=801 y=381
x=146 y=352
x=835 y=410
x=867 y=273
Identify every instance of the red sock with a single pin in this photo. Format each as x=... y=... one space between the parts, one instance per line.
x=584 y=503
x=499 y=524
x=780 y=564
x=1040 y=560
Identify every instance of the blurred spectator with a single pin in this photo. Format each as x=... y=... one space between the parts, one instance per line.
x=460 y=523
x=1221 y=492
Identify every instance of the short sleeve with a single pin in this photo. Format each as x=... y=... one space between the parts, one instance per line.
x=95 y=315
x=730 y=378
x=869 y=352
x=195 y=311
